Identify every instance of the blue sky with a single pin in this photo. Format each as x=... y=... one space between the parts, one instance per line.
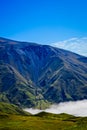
x=43 y=21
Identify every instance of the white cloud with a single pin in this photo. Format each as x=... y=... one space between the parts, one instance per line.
x=77 y=108
x=32 y=110
x=77 y=45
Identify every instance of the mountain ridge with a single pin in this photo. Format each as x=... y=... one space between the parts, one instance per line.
x=36 y=75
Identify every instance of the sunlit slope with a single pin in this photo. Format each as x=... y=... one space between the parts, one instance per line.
x=6 y=108
x=42 y=121
x=37 y=75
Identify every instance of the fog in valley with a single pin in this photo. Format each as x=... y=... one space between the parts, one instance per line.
x=76 y=108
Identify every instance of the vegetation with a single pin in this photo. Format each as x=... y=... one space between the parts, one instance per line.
x=14 y=118
x=6 y=108
x=42 y=121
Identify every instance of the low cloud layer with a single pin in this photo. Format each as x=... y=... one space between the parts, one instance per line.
x=77 y=45
x=77 y=108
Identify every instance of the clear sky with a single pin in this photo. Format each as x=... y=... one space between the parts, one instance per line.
x=43 y=21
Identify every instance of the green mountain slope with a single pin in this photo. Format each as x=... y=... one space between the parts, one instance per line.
x=14 y=88
x=33 y=75
x=6 y=109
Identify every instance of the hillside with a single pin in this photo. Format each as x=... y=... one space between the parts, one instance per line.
x=14 y=118
x=6 y=108
x=37 y=75
x=42 y=121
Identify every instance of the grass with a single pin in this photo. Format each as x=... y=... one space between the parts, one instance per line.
x=42 y=121
x=11 y=109
x=14 y=118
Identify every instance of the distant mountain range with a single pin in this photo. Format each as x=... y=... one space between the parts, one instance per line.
x=34 y=75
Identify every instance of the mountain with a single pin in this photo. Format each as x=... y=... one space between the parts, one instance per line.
x=37 y=75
